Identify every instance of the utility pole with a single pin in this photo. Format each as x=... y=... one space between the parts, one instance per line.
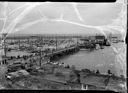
x=77 y=41
x=19 y=43
x=56 y=42
x=4 y=41
x=5 y=4
x=40 y=57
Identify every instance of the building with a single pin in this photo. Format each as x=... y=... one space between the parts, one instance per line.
x=114 y=39
x=97 y=39
x=100 y=38
x=93 y=81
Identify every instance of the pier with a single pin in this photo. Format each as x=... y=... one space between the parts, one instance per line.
x=63 y=52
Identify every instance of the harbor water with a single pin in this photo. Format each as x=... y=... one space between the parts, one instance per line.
x=101 y=59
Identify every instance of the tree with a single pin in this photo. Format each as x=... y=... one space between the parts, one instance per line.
x=67 y=66
x=11 y=57
x=109 y=72
x=97 y=72
x=18 y=56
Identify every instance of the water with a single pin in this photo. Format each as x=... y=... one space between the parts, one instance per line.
x=102 y=59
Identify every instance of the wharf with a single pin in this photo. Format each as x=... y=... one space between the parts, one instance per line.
x=63 y=50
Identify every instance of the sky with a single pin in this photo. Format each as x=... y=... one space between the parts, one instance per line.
x=61 y=18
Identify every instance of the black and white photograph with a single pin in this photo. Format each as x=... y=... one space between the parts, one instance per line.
x=63 y=46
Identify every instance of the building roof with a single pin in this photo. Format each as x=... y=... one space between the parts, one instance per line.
x=95 y=80
x=63 y=70
x=99 y=81
x=114 y=37
x=100 y=37
x=115 y=83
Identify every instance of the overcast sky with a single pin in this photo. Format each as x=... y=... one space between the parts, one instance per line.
x=44 y=18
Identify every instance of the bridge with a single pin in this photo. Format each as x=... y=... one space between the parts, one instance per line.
x=62 y=52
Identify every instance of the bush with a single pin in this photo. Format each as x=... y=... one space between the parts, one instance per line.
x=97 y=72
x=18 y=56
x=11 y=57
x=109 y=72
x=67 y=66
x=58 y=74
